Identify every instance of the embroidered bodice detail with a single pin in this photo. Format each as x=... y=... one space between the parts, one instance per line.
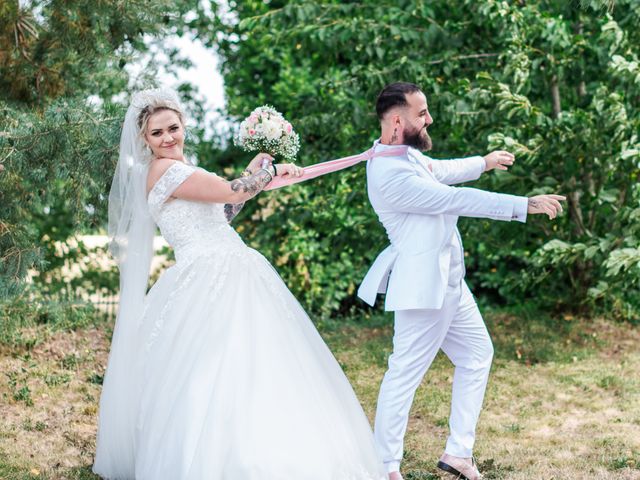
x=191 y=228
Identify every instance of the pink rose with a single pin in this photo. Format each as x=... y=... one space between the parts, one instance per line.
x=252 y=132
x=289 y=128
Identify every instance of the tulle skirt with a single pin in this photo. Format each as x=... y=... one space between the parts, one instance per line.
x=232 y=381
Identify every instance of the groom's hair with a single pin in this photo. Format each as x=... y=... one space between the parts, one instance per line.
x=394 y=95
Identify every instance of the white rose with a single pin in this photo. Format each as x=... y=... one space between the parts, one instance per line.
x=272 y=130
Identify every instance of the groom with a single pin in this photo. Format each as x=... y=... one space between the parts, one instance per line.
x=422 y=273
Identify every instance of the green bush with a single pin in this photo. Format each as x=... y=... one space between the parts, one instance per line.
x=554 y=82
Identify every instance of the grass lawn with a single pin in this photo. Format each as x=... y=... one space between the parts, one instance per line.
x=563 y=400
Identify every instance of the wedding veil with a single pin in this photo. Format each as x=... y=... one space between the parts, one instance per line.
x=131 y=231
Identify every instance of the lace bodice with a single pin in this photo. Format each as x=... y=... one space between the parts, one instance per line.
x=191 y=228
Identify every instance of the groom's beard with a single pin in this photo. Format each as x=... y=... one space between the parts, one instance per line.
x=418 y=139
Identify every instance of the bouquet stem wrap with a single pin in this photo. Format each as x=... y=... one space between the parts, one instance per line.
x=319 y=169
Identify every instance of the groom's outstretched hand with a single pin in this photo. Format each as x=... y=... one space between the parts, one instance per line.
x=499 y=160
x=546 y=204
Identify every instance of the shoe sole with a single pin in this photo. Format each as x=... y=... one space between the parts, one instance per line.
x=449 y=469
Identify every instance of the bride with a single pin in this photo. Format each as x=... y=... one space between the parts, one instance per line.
x=217 y=372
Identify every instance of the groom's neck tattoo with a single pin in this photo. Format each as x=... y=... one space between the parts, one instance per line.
x=252 y=184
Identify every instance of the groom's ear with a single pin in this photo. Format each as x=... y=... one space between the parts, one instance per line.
x=396 y=120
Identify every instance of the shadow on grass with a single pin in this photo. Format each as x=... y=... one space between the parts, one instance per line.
x=489 y=468
x=26 y=324
x=524 y=334
x=8 y=472
x=80 y=473
x=521 y=334
x=530 y=336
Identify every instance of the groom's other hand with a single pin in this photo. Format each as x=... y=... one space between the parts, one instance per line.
x=546 y=204
x=289 y=170
x=499 y=160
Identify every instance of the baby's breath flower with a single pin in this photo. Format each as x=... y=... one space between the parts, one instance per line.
x=266 y=130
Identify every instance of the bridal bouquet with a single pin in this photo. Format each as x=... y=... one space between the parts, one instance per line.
x=266 y=130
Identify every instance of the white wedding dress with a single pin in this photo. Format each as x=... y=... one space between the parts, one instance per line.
x=236 y=383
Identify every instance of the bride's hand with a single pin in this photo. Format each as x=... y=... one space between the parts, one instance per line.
x=289 y=170
x=256 y=163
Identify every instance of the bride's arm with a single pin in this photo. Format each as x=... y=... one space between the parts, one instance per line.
x=203 y=186
x=232 y=209
x=283 y=169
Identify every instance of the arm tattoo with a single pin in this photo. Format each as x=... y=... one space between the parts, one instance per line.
x=252 y=184
x=534 y=203
x=231 y=210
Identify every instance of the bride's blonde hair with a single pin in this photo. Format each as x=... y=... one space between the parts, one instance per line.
x=157 y=104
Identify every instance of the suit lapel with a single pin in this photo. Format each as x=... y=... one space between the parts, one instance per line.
x=422 y=167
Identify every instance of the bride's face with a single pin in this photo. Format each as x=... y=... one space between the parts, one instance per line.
x=165 y=135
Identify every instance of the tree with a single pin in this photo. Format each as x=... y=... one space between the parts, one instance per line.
x=555 y=82
x=61 y=62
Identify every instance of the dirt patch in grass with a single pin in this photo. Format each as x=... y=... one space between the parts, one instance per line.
x=561 y=403
x=49 y=402
x=558 y=406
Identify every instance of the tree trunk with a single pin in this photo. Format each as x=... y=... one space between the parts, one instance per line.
x=555 y=96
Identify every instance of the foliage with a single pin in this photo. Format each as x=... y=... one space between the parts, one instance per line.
x=61 y=63
x=51 y=182
x=26 y=319
x=554 y=82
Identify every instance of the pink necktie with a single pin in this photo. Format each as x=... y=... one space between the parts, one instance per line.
x=319 y=169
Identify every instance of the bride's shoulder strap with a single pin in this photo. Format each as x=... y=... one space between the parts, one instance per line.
x=171 y=175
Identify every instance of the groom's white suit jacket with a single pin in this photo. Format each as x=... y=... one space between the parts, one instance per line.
x=419 y=210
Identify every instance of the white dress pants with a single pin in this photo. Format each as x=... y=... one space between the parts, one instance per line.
x=458 y=329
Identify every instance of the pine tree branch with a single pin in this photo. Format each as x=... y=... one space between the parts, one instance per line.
x=95 y=122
